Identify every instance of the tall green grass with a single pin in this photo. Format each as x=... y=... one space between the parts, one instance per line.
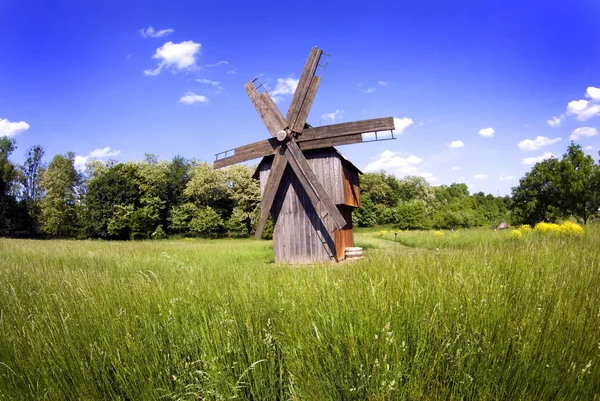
x=218 y=319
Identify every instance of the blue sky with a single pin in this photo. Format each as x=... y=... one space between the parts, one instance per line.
x=93 y=79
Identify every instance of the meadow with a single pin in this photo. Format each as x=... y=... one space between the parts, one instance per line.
x=474 y=314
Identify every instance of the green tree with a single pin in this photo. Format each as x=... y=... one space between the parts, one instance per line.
x=10 y=213
x=579 y=183
x=107 y=188
x=58 y=208
x=411 y=215
x=537 y=198
x=206 y=222
x=32 y=194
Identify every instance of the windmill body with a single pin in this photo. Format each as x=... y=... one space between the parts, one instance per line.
x=308 y=187
x=299 y=234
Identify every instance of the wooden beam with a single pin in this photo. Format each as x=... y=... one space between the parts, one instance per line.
x=355 y=127
x=273 y=181
x=300 y=121
x=249 y=152
x=311 y=138
x=311 y=184
x=266 y=108
x=302 y=90
x=329 y=142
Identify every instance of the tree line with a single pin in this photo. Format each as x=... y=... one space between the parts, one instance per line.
x=154 y=199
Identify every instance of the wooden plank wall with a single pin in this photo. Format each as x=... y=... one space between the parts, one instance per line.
x=351 y=187
x=299 y=234
x=344 y=238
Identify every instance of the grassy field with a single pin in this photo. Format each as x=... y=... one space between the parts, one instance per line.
x=461 y=315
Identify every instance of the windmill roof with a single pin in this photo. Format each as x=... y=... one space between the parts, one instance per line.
x=347 y=162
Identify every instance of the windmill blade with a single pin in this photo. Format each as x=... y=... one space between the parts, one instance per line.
x=315 y=191
x=266 y=108
x=351 y=128
x=311 y=138
x=247 y=152
x=277 y=170
x=305 y=92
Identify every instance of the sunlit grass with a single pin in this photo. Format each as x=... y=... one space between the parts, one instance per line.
x=466 y=314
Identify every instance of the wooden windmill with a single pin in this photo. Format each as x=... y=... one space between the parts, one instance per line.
x=307 y=185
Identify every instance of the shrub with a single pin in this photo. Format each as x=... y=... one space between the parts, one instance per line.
x=516 y=234
x=525 y=228
x=567 y=228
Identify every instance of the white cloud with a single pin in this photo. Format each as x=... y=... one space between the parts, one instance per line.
x=428 y=176
x=382 y=83
x=152 y=33
x=480 y=176
x=456 y=144
x=593 y=93
x=216 y=84
x=401 y=124
x=534 y=160
x=10 y=129
x=454 y=168
x=106 y=152
x=537 y=143
x=588 y=148
x=505 y=177
x=191 y=98
x=80 y=161
x=333 y=117
x=177 y=56
x=393 y=163
x=583 y=131
x=284 y=86
x=583 y=109
x=369 y=90
x=218 y=63
x=555 y=121
x=586 y=109
x=488 y=132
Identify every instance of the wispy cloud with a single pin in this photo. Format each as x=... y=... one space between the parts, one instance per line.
x=583 y=132
x=191 y=98
x=382 y=83
x=216 y=84
x=284 y=87
x=393 y=163
x=152 y=33
x=480 y=176
x=505 y=177
x=332 y=117
x=10 y=129
x=555 y=121
x=176 y=57
x=100 y=153
x=537 y=143
x=534 y=160
x=455 y=168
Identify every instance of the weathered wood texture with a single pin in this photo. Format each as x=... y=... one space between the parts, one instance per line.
x=268 y=196
x=351 y=187
x=266 y=108
x=344 y=238
x=299 y=233
x=313 y=187
x=311 y=138
x=305 y=92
